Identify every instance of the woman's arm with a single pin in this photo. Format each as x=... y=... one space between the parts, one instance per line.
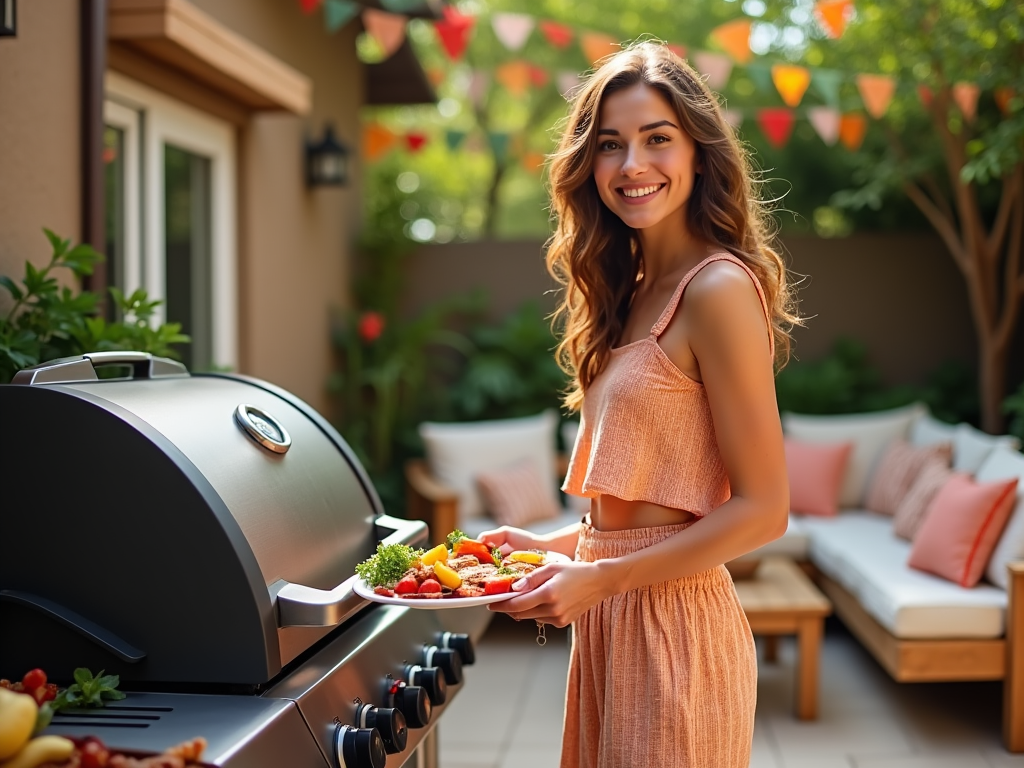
x=509 y=539
x=727 y=333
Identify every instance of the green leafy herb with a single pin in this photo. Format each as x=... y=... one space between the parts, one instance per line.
x=43 y=718
x=89 y=691
x=504 y=570
x=496 y=554
x=387 y=565
x=453 y=537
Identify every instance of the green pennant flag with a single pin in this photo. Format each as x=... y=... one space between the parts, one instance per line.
x=761 y=75
x=499 y=145
x=454 y=139
x=826 y=82
x=403 y=6
x=338 y=13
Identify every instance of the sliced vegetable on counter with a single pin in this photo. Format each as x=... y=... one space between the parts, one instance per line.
x=42 y=749
x=18 y=713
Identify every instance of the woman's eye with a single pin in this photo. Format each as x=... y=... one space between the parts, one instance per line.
x=658 y=139
x=605 y=146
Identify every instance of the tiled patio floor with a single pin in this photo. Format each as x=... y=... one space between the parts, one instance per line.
x=510 y=713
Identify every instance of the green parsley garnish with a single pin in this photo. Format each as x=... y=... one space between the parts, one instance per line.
x=496 y=554
x=506 y=571
x=453 y=537
x=387 y=565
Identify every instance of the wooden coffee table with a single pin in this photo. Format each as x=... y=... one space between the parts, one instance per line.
x=781 y=600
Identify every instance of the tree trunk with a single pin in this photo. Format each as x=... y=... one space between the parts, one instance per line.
x=491 y=215
x=992 y=387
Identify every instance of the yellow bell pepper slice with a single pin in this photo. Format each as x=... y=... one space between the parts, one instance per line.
x=438 y=553
x=447 y=576
x=525 y=556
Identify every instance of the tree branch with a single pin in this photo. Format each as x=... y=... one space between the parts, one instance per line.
x=1013 y=277
x=1013 y=185
x=930 y=184
x=943 y=224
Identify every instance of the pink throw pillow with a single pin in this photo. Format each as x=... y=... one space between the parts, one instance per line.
x=516 y=495
x=816 y=473
x=897 y=470
x=910 y=512
x=961 y=528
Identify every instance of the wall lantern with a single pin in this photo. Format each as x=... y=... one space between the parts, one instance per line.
x=8 y=18
x=326 y=161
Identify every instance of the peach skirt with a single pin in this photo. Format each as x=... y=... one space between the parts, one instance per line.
x=661 y=676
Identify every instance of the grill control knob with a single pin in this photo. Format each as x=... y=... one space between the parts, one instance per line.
x=432 y=680
x=461 y=643
x=390 y=722
x=447 y=659
x=413 y=702
x=359 y=748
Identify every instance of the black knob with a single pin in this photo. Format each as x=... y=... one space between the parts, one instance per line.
x=359 y=747
x=433 y=682
x=461 y=643
x=447 y=659
x=413 y=702
x=390 y=722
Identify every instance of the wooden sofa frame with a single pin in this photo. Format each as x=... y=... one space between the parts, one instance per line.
x=907 y=661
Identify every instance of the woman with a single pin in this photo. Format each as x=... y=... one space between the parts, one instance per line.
x=680 y=446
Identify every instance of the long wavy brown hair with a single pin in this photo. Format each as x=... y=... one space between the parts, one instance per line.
x=597 y=258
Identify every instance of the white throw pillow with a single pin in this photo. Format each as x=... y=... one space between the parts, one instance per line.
x=972 y=446
x=870 y=433
x=457 y=453
x=1002 y=464
x=928 y=430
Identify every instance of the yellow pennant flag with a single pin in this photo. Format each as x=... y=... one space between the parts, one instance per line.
x=966 y=97
x=791 y=82
x=876 y=91
x=377 y=140
x=734 y=38
x=832 y=15
x=597 y=45
x=515 y=76
x=852 y=128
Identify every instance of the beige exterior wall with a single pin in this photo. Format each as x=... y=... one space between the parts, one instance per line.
x=40 y=178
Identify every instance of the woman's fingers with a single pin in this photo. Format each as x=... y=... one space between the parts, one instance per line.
x=532 y=580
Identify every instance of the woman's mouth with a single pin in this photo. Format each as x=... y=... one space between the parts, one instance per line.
x=639 y=195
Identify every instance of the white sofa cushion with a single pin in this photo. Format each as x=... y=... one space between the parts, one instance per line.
x=972 y=446
x=457 y=452
x=927 y=430
x=869 y=433
x=1003 y=464
x=859 y=550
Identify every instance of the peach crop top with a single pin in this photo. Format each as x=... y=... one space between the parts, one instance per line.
x=646 y=432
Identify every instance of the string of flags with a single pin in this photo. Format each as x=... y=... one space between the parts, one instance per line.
x=518 y=76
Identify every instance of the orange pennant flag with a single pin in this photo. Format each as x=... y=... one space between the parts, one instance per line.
x=852 y=128
x=377 y=140
x=734 y=38
x=533 y=161
x=597 y=45
x=924 y=93
x=791 y=82
x=966 y=97
x=876 y=91
x=1002 y=96
x=515 y=76
x=678 y=50
x=436 y=76
x=832 y=15
x=388 y=29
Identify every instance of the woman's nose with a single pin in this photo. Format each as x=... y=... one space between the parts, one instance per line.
x=633 y=162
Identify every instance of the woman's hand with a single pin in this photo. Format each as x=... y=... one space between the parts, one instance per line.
x=558 y=593
x=509 y=539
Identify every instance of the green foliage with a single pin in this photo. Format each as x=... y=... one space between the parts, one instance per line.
x=387 y=565
x=1013 y=406
x=89 y=691
x=47 y=321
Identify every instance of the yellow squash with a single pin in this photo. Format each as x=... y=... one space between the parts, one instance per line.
x=437 y=554
x=42 y=749
x=18 y=712
x=447 y=576
x=526 y=556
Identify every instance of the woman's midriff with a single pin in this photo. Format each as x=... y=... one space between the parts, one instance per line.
x=610 y=513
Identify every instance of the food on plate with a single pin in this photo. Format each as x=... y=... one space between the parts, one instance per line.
x=461 y=567
x=18 y=713
x=42 y=749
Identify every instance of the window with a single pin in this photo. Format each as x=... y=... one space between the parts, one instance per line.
x=170 y=189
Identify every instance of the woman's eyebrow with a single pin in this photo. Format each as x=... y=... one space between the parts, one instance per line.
x=643 y=128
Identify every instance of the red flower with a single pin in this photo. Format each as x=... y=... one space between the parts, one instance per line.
x=371 y=326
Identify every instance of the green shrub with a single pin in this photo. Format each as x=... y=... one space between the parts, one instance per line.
x=1013 y=406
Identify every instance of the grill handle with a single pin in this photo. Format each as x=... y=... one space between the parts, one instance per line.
x=300 y=606
x=81 y=368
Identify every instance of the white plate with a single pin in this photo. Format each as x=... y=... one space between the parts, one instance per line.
x=366 y=592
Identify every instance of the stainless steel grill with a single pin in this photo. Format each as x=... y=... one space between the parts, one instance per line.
x=197 y=535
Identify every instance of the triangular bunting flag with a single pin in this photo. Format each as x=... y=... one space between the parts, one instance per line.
x=826 y=82
x=966 y=97
x=791 y=82
x=436 y=76
x=538 y=76
x=734 y=38
x=453 y=139
x=678 y=50
x=454 y=30
x=388 y=29
x=597 y=45
x=499 y=144
x=338 y=13
x=415 y=141
x=478 y=82
x=777 y=124
x=376 y=141
x=533 y=161
x=1002 y=96
x=825 y=121
x=833 y=15
x=876 y=92
x=401 y=6
x=568 y=82
x=852 y=128
x=733 y=117
x=515 y=76
x=924 y=93
x=512 y=29
x=557 y=34
x=308 y=6
x=716 y=66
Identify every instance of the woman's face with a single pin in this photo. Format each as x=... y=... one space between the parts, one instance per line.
x=645 y=163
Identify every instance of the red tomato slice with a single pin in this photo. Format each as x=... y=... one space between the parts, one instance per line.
x=498 y=586
x=429 y=586
x=34 y=678
x=472 y=547
x=407 y=586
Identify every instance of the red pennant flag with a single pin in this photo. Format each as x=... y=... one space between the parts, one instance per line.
x=924 y=93
x=852 y=128
x=1002 y=96
x=308 y=6
x=538 y=76
x=777 y=124
x=454 y=30
x=415 y=141
x=558 y=35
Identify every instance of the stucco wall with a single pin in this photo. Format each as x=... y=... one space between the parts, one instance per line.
x=39 y=133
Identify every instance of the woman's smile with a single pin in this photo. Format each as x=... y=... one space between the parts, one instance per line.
x=634 y=195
